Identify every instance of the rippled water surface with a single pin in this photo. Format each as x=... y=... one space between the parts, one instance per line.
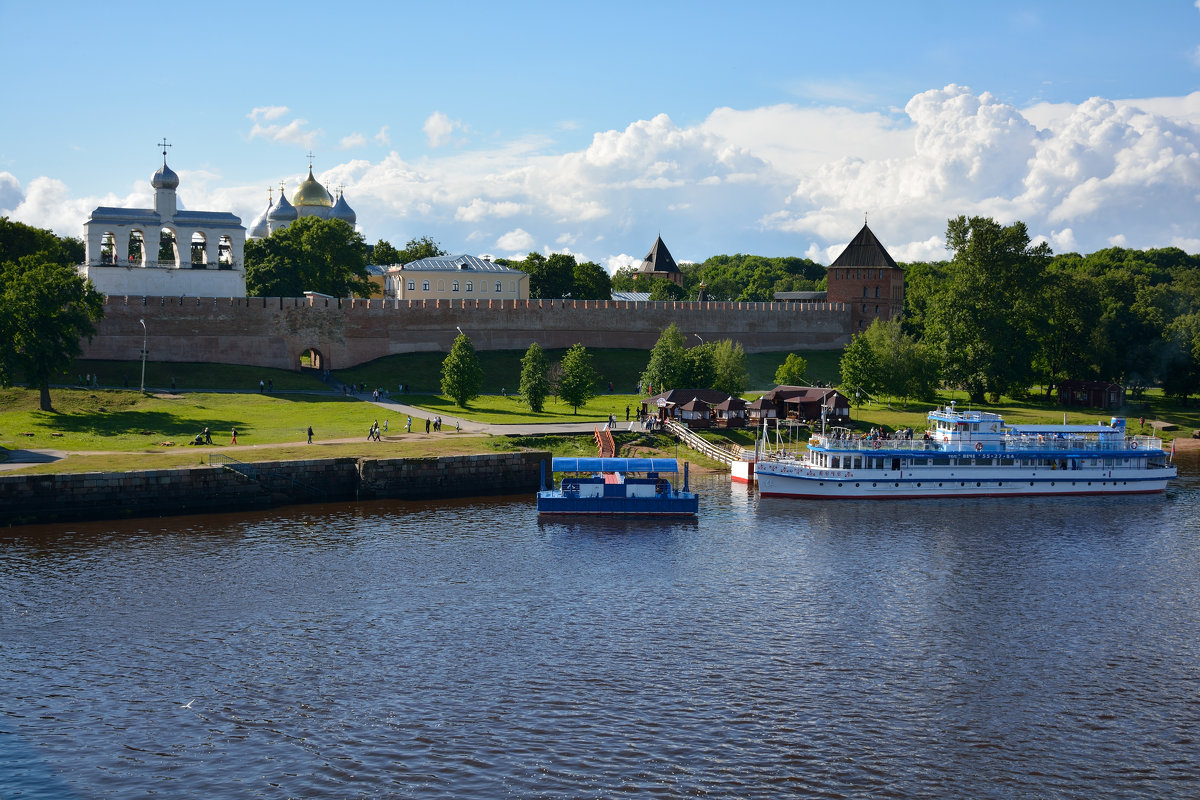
x=990 y=648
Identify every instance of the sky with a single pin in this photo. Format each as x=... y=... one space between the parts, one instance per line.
x=772 y=128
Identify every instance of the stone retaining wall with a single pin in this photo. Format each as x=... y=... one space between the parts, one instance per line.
x=28 y=499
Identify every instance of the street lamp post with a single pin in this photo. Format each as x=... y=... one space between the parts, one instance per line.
x=144 y=334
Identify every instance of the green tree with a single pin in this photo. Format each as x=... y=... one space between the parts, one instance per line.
x=462 y=376
x=663 y=289
x=985 y=324
x=18 y=240
x=884 y=360
x=383 y=253
x=416 y=249
x=699 y=368
x=666 y=365
x=792 y=372
x=591 y=282
x=729 y=366
x=577 y=383
x=535 y=378
x=623 y=280
x=45 y=309
x=860 y=373
x=552 y=277
x=311 y=254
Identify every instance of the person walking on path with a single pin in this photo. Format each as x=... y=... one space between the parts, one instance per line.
x=233 y=441
x=427 y=425
x=207 y=437
x=310 y=434
x=408 y=425
x=385 y=426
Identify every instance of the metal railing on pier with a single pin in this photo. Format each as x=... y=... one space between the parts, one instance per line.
x=701 y=445
x=1015 y=444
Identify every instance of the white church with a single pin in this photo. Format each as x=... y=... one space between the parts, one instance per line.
x=163 y=250
x=171 y=252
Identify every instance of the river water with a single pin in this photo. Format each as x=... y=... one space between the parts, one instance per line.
x=989 y=648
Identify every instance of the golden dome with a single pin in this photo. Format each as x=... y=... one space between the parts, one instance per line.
x=311 y=193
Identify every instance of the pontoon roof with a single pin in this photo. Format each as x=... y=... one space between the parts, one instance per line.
x=615 y=465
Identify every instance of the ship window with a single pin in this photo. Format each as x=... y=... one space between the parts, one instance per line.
x=1006 y=462
x=941 y=461
x=858 y=462
x=837 y=462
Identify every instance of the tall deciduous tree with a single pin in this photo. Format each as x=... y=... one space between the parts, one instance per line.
x=550 y=278
x=591 y=282
x=666 y=365
x=729 y=368
x=383 y=253
x=792 y=372
x=45 y=309
x=986 y=322
x=311 y=254
x=416 y=249
x=883 y=359
x=577 y=383
x=462 y=376
x=535 y=378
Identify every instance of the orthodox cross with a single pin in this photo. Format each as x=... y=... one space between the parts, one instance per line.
x=163 y=144
x=310 y=158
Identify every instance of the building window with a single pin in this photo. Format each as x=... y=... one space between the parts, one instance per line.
x=864 y=291
x=454 y=286
x=470 y=286
x=412 y=285
x=499 y=286
x=425 y=286
x=877 y=291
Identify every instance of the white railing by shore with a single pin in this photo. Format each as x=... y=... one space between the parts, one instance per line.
x=1015 y=444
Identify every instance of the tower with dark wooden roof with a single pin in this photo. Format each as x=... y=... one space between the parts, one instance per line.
x=868 y=280
x=659 y=263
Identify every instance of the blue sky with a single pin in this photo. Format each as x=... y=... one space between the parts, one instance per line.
x=772 y=128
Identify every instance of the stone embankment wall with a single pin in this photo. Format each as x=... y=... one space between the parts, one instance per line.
x=196 y=490
x=274 y=331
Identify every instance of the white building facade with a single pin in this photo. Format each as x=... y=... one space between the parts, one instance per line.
x=163 y=251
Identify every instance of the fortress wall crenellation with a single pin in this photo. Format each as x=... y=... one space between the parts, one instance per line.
x=274 y=331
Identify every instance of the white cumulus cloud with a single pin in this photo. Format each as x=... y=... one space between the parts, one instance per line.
x=438 y=128
x=516 y=241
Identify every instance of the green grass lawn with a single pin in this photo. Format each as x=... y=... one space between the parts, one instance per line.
x=190 y=377
x=422 y=372
x=118 y=420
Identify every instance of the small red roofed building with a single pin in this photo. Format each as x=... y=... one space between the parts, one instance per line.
x=866 y=278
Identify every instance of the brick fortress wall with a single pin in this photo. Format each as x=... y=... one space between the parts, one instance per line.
x=274 y=332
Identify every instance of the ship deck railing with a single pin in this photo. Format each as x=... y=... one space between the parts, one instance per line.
x=994 y=444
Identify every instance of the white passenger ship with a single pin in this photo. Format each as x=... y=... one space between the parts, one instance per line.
x=971 y=453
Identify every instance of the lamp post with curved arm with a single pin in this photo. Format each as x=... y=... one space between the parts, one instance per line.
x=144 y=334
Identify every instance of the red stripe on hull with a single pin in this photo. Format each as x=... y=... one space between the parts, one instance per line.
x=931 y=495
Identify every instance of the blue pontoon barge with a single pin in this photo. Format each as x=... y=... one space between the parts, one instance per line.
x=616 y=486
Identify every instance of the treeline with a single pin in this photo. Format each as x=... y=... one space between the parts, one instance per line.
x=724 y=277
x=1003 y=315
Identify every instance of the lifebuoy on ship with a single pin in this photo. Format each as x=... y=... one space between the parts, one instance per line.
x=1133 y=445
x=978 y=446
x=878 y=444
